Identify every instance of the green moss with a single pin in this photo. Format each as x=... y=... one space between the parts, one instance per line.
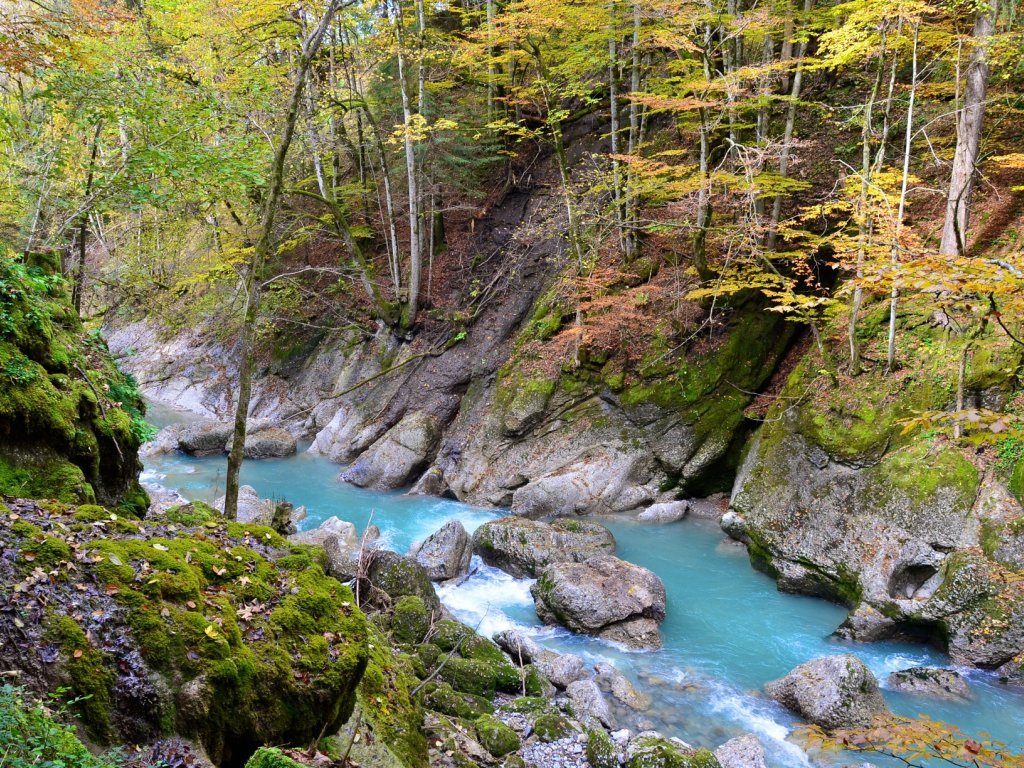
x=921 y=473
x=496 y=737
x=410 y=620
x=270 y=757
x=601 y=752
x=385 y=697
x=441 y=697
x=45 y=478
x=191 y=514
x=482 y=678
x=552 y=726
x=88 y=674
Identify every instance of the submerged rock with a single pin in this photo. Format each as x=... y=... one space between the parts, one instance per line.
x=446 y=553
x=524 y=547
x=603 y=596
x=615 y=683
x=831 y=691
x=928 y=681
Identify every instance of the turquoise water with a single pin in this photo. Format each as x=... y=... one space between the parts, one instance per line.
x=728 y=629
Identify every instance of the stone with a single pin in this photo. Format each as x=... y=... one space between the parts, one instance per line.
x=399 y=576
x=520 y=647
x=332 y=526
x=161 y=499
x=588 y=703
x=603 y=596
x=167 y=440
x=741 y=752
x=562 y=669
x=252 y=510
x=665 y=512
x=446 y=553
x=616 y=684
x=397 y=458
x=205 y=438
x=524 y=547
x=831 y=691
x=928 y=681
x=268 y=443
x=496 y=737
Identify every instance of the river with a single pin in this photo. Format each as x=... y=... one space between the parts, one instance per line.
x=727 y=632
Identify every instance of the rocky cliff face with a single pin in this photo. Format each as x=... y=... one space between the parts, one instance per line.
x=913 y=532
x=70 y=422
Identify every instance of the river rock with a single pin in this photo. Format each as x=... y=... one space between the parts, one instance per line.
x=523 y=547
x=616 y=684
x=588 y=703
x=331 y=527
x=741 y=752
x=831 y=691
x=604 y=596
x=399 y=576
x=161 y=499
x=562 y=669
x=664 y=512
x=940 y=683
x=252 y=510
x=522 y=648
x=397 y=458
x=446 y=553
x=205 y=438
x=268 y=443
x=167 y=440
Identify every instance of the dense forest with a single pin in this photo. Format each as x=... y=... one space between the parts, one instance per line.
x=565 y=257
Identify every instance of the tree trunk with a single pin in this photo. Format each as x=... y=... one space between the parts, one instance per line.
x=78 y=287
x=968 y=138
x=415 y=248
x=261 y=251
x=787 y=138
x=894 y=296
x=613 y=98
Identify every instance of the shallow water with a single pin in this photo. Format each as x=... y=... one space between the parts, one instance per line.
x=728 y=630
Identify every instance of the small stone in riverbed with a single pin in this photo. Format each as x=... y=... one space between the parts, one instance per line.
x=941 y=683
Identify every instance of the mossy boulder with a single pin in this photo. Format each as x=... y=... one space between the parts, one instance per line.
x=446 y=700
x=399 y=577
x=656 y=752
x=551 y=726
x=496 y=737
x=410 y=620
x=483 y=678
x=601 y=752
x=222 y=633
x=70 y=422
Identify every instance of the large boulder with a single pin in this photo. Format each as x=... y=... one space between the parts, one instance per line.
x=204 y=438
x=664 y=512
x=603 y=596
x=215 y=631
x=399 y=576
x=268 y=443
x=831 y=691
x=446 y=553
x=928 y=681
x=524 y=547
x=397 y=458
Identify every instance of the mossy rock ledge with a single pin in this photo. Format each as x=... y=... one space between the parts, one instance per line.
x=214 y=631
x=70 y=422
x=836 y=499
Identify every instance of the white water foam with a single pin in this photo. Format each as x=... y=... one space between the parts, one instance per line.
x=486 y=599
x=757 y=717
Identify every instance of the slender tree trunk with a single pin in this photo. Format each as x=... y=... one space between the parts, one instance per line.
x=890 y=364
x=490 y=61
x=968 y=137
x=864 y=226
x=78 y=288
x=633 y=144
x=787 y=138
x=613 y=98
x=261 y=252
x=415 y=246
